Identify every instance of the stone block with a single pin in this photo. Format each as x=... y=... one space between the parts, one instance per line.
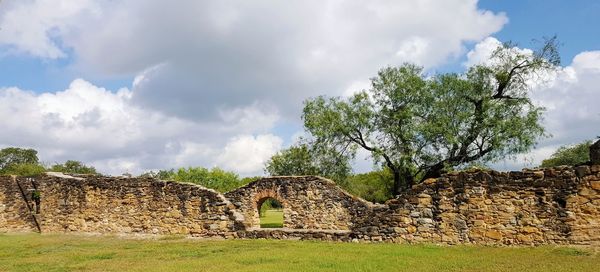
x=529 y=230
x=494 y=234
x=525 y=238
x=582 y=171
x=424 y=221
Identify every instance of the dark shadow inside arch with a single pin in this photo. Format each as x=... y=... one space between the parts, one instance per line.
x=271 y=213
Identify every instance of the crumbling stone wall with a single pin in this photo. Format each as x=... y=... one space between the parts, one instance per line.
x=119 y=205
x=14 y=213
x=549 y=206
x=309 y=202
x=558 y=205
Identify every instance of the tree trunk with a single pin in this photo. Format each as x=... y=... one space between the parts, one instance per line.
x=397 y=182
x=434 y=172
x=402 y=180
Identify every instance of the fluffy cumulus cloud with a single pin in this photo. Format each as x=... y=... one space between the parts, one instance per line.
x=212 y=81
x=570 y=96
x=104 y=128
x=214 y=55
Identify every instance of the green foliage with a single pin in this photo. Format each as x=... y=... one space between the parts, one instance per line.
x=302 y=160
x=375 y=186
x=418 y=126
x=569 y=155
x=271 y=219
x=73 y=167
x=24 y=169
x=247 y=180
x=11 y=157
x=20 y=161
x=66 y=252
x=214 y=178
x=269 y=204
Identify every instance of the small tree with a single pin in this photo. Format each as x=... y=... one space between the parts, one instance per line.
x=569 y=155
x=419 y=126
x=215 y=178
x=374 y=186
x=13 y=155
x=24 y=169
x=20 y=161
x=74 y=167
x=300 y=160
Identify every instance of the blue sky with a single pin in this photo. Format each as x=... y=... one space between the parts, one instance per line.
x=138 y=85
x=574 y=22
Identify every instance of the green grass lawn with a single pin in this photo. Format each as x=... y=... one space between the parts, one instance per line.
x=34 y=252
x=272 y=219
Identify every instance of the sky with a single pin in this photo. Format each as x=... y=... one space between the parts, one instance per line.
x=138 y=85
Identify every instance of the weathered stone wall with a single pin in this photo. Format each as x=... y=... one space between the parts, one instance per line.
x=309 y=202
x=14 y=213
x=550 y=206
x=547 y=206
x=120 y=205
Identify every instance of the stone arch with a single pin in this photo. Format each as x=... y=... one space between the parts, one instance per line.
x=271 y=215
x=309 y=203
x=260 y=197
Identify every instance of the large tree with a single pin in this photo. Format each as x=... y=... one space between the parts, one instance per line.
x=419 y=126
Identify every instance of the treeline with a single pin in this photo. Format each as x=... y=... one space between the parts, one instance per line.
x=300 y=159
x=25 y=162
x=215 y=178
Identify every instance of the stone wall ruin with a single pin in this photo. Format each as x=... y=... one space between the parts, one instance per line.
x=558 y=205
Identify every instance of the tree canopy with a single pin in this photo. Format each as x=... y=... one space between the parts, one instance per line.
x=215 y=178
x=419 y=126
x=303 y=159
x=13 y=155
x=20 y=161
x=73 y=167
x=569 y=155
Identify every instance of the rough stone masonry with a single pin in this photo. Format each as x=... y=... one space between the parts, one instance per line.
x=559 y=205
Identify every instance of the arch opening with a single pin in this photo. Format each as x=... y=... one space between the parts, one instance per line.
x=270 y=213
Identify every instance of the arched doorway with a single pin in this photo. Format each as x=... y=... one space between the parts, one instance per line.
x=270 y=213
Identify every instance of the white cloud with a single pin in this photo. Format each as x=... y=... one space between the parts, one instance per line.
x=481 y=54
x=588 y=61
x=105 y=129
x=33 y=27
x=482 y=51
x=247 y=153
x=570 y=96
x=572 y=99
x=215 y=55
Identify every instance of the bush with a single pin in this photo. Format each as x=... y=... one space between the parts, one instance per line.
x=375 y=186
x=569 y=155
x=73 y=167
x=215 y=178
x=24 y=169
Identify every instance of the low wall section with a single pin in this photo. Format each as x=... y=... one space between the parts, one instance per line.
x=115 y=205
x=547 y=206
